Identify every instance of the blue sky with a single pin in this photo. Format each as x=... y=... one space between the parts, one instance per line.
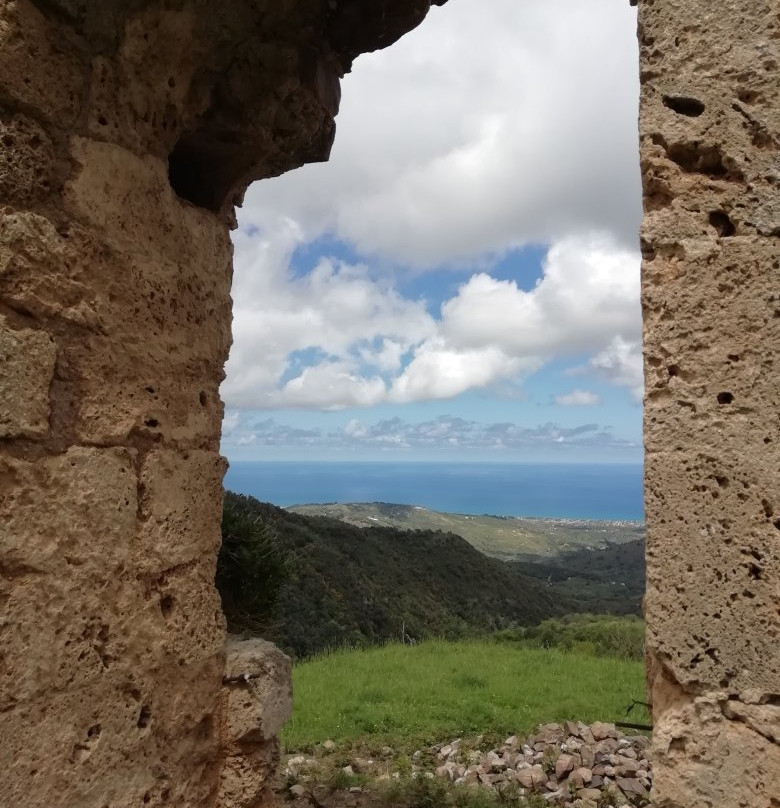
x=461 y=280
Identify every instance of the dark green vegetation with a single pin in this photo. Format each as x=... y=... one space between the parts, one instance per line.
x=313 y=582
x=606 y=581
x=354 y=586
x=411 y=696
x=251 y=569
x=596 y=567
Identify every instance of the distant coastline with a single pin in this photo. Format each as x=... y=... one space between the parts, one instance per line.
x=574 y=493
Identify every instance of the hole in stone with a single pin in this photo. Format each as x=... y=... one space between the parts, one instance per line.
x=677 y=745
x=167 y=603
x=684 y=105
x=697 y=159
x=755 y=572
x=205 y=727
x=171 y=82
x=768 y=508
x=147 y=797
x=203 y=167
x=143 y=717
x=152 y=423
x=648 y=251
x=733 y=357
x=776 y=523
x=203 y=398
x=149 y=390
x=673 y=370
x=94 y=731
x=722 y=224
x=722 y=481
x=748 y=96
x=102 y=120
x=725 y=398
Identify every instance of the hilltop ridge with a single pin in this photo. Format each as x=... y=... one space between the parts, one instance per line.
x=509 y=538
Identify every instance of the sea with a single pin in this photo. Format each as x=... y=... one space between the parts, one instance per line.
x=581 y=491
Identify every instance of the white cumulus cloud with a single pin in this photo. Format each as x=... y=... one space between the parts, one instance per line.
x=364 y=344
x=492 y=126
x=620 y=362
x=578 y=398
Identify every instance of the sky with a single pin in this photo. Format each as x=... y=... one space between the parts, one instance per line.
x=461 y=280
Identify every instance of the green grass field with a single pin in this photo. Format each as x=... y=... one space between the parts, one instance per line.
x=408 y=696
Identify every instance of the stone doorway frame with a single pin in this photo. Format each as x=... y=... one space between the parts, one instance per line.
x=114 y=328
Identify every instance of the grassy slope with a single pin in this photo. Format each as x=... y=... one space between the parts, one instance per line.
x=508 y=538
x=410 y=696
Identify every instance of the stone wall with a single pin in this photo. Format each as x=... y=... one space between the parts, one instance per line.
x=128 y=131
x=710 y=132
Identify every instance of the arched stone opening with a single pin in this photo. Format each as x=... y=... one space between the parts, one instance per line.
x=127 y=132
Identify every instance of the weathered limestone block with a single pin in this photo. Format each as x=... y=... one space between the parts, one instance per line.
x=258 y=709
x=80 y=507
x=40 y=66
x=178 y=263
x=257 y=699
x=178 y=525
x=66 y=526
x=710 y=137
x=716 y=588
x=44 y=273
x=705 y=753
x=27 y=162
x=27 y=359
x=152 y=730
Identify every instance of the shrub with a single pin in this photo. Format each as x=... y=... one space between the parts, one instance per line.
x=602 y=635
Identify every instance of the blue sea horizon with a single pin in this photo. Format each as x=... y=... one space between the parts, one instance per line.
x=582 y=491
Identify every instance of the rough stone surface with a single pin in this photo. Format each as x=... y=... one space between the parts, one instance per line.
x=128 y=131
x=710 y=136
x=256 y=703
x=27 y=360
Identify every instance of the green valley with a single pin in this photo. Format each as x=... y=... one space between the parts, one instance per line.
x=340 y=584
x=506 y=537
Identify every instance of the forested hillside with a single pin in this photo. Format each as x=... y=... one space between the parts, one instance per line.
x=360 y=586
x=603 y=581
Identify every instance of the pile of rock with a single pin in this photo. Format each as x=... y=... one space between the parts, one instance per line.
x=571 y=764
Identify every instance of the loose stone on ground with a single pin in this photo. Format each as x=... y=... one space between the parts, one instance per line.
x=570 y=765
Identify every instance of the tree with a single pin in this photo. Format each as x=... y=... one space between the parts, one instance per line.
x=252 y=566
